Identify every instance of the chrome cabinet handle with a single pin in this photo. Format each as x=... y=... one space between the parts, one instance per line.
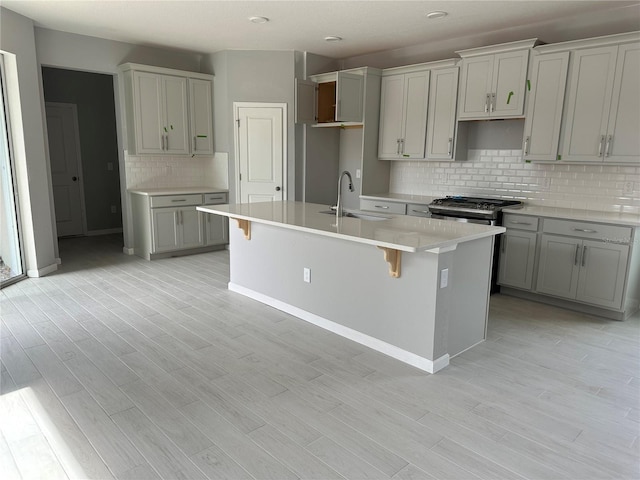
x=402 y=146
x=381 y=206
x=175 y=200
x=450 y=147
x=167 y=141
x=584 y=255
x=607 y=146
x=602 y=137
x=584 y=230
x=492 y=103
x=397 y=146
x=575 y=258
x=486 y=104
x=161 y=142
x=526 y=146
x=216 y=198
x=194 y=143
x=514 y=222
x=419 y=211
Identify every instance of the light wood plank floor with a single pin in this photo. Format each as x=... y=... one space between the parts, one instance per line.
x=114 y=367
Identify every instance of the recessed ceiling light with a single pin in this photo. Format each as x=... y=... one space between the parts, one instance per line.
x=258 y=19
x=436 y=14
x=332 y=38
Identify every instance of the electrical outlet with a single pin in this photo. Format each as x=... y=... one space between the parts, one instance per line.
x=358 y=173
x=546 y=183
x=444 y=277
x=627 y=188
x=306 y=275
x=113 y=209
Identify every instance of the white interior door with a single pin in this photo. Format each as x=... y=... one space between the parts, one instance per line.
x=66 y=170
x=260 y=152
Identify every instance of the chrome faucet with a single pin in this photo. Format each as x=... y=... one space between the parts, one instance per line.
x=339 y=212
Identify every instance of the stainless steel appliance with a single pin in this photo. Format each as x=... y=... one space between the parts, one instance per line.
x=486 y=211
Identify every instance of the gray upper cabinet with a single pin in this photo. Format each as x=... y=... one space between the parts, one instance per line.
x=441 y=118
x=602 y=116
x=403 y=116
x=201 y=116
x=167 y=112
x=493 y=80
x=548 y=80
x=330 y=98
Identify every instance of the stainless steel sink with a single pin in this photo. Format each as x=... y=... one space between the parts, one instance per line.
x=361 y=216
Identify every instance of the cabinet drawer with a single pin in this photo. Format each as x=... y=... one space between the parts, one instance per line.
x=597 y=231
x=418 y=210
x=215 y=198
x=176 y=200
x=382 y=206
x=521 y=222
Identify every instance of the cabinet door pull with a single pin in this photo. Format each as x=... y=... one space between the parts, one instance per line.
x=600 y=145
x=515 y=222
x=526 y=146
x=161 y=142
x=486 y=104
x=450 y=147
x=584 y=230
x=419 y=211
x=492 y=103
x=575 y=258
x=402 y=146
x=381 y=206
x=397 y=146
x=584 y=255
x=175 y=200
x=607 y=147
x=167 y=141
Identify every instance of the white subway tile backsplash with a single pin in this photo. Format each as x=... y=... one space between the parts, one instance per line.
x=502 y=173
x=158 y=172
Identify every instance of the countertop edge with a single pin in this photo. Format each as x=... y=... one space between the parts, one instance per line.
x=176 y=190
x=352 y=238
x=575 y=215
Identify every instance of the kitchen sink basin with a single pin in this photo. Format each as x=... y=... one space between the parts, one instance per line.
x=361 y=216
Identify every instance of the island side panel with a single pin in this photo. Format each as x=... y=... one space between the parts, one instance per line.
x=470 y=279
x=350 y=284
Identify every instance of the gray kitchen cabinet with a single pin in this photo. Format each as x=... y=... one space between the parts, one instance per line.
x=602 y=117
x=544 y=109
x=216 y=227
x=201 y=116
x=493 y=80
x=403 y=116
x=330 y=99
x=518 y=251
x=160 y=127
x=441 y=118
x=169 y=224
x=167 y=112
x=590 y=266
x=381 y=206
x=418 y=210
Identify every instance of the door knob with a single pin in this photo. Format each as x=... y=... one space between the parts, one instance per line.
x=277 y=189
x=75 y=179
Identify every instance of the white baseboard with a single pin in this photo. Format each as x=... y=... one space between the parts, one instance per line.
x=430 y=366
x=58 y=260
x=106 y=231
x=41 y=272
x=128 y=251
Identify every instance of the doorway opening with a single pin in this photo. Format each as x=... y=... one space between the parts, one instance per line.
x=83 y=151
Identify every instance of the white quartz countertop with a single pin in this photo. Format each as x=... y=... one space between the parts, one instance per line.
x=176 y=190
x=405 y=233
x=614 y=218
x=400 y=197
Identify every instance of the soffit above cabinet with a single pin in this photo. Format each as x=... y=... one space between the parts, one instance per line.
x=163 y=71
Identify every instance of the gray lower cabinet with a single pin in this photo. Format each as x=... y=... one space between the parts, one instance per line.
x=517 y=255
x=584 y=270
x=170 y=224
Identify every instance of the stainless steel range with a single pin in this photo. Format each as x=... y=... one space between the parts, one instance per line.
x=487 y=211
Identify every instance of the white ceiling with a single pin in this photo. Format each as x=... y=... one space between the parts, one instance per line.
x=366 y=26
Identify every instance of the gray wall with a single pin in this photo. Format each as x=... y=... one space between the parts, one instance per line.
x=252 y=76
x=93 y=95
x=25 y=105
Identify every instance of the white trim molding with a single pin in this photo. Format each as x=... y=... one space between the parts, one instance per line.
x=41 y=272
x=430 y=366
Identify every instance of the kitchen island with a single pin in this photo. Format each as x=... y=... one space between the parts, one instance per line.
x=414 y=288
